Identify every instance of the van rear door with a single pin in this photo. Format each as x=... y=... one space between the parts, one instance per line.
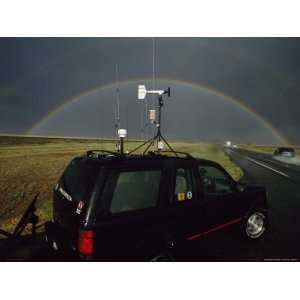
x=72 y=194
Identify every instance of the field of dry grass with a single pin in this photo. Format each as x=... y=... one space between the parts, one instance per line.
x=32 y=165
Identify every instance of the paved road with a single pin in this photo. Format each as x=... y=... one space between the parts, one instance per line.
x=282 y=182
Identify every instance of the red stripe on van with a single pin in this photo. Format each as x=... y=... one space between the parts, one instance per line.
x=199 y=235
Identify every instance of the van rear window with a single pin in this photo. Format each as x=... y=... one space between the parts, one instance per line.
x=79 y=178
x=136 y=190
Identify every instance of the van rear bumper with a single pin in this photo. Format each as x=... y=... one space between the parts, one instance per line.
x=60 y=241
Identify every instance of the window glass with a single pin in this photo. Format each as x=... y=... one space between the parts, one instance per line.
x=215 y=180
x=136 y=190
x=183 y=185
x=79 y=178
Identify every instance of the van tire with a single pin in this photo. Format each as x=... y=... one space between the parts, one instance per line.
x=162 y=257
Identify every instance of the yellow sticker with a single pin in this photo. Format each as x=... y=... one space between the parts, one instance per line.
x=181 y=196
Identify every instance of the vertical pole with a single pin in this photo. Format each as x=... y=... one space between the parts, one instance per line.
x=152 y=129
x=160 y=104
x=117 y=105
x=122 y=146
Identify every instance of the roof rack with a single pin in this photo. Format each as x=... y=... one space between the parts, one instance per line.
x=174 y=152
x=105 y=153
x=95 y=153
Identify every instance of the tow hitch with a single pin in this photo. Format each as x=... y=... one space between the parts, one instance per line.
x=29 y=217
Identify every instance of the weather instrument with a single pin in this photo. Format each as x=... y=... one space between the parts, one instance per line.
x=122 y=133
x=158 y=138
x=152 y=116
x=142 y=92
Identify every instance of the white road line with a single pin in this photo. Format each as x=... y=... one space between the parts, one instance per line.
x=267 y=167
x=264 y=166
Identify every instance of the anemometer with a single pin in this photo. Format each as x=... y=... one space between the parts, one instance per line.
x=158 y=140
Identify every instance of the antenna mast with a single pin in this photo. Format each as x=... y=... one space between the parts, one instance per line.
x=117 y=104
x=153 y=81
x=121 y=133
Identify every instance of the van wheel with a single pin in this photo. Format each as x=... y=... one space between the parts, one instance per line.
x=162 y=257
x=255 y=224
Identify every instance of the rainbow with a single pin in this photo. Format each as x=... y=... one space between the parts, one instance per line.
x=237 y=102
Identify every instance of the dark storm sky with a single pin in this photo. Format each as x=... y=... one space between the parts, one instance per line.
x=37 y=75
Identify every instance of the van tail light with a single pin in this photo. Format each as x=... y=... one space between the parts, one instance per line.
x=86 y=242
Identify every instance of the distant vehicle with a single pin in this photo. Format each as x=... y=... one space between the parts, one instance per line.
x=285 y=152
x=109 y=206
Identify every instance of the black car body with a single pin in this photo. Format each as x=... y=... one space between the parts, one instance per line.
x=285 y=152
x=110 y=207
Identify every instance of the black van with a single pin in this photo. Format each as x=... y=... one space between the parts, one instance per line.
x=108 y=206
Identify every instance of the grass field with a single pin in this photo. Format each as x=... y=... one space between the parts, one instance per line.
x=31 y=165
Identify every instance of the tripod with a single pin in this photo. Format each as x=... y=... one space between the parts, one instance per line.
x=158 y=136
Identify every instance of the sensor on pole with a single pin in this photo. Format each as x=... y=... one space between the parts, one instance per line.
x=152 y=115
x=158 y=139
x=122 y=133
x=142 y=92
